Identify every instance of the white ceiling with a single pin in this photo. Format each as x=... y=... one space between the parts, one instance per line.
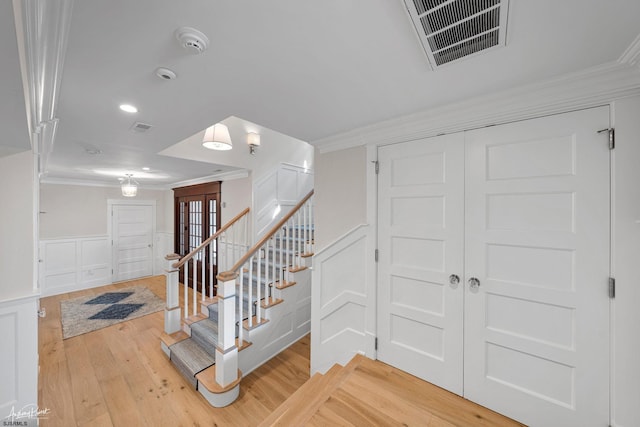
x=305 y=69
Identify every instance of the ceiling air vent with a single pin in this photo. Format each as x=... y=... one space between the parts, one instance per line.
x=140 y=127
x=453 y=29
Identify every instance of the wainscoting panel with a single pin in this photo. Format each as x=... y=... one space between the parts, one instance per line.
x=19 y=355
x=277 y=193
x=72 y=264
x=342 y=301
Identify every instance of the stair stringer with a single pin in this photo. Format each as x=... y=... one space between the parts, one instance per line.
x=288 y=322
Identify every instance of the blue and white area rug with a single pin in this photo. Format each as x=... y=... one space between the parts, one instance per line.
x=93 y=312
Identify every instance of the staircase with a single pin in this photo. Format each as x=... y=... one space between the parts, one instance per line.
x=261 y=307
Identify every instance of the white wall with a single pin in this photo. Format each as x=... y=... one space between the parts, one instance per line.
x=236 y=196
x=18 y=297
x=81 y=211
x=340 y=193
x=17 y=225
x=342 y=173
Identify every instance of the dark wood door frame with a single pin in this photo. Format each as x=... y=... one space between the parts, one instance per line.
x=196 y=217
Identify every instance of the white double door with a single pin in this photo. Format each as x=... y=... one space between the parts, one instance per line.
x=520 y=214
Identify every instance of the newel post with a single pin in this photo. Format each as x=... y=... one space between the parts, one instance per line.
x=227 y=351
x=172 y=308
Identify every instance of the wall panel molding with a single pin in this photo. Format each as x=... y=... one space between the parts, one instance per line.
x=73 y=264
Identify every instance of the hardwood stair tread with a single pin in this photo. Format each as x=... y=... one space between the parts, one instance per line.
x=171 y=339
x=306 y=401
x=297 y=398
x=207 y=379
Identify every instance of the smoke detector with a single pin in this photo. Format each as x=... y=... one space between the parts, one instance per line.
x=192 y=40
x=165 y=73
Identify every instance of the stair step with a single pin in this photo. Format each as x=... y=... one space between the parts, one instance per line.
x=305 y=402
x=284 y=284
x=194 y=318
x=207 y=379
x=270 y=302
x=189 y=358
x=255 y=323
x=205 y=334
x=171 y=339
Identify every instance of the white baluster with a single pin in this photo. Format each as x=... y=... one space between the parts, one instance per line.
x=194 y=287
x=240 y=292
x=298 y=240
x=203 y=290
x=258 y=277
x=185 y=276
x=211 y=269
x=250 y=292
x=235 y=257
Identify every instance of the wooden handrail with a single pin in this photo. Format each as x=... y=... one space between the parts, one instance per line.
x=224 y=228
x=232 y=273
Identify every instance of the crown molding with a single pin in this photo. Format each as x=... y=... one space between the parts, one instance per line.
x=224 y=176
x=595 y=86
x=101 y=184
x=631 y=55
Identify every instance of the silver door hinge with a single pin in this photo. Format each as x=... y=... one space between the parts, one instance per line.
x=612 y=137
x=612 y=287
x=376 y=255
x=377 y=163
x=376 y=344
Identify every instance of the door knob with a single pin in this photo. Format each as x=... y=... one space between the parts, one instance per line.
x=474 y=283
x=454 y=279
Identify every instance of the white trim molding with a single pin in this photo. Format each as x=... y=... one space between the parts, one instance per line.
x=19 y=356
x=343 y=300
x=631 y=55
x=42 y=30
x=73 y=264
x=592 y=87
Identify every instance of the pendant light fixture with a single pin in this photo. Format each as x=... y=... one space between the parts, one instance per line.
x=129 y=187
x=217 y=137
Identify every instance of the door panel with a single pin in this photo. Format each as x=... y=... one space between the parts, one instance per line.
x=523 y=208
x=537 y=237
x=421 y=234
x=132 y=231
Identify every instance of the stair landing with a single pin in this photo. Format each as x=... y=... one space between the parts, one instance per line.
x=369 y=392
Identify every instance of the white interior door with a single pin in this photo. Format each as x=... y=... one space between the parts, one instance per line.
x=421 y=191
x=537 y=239
x=132 y=235
x=524 y=209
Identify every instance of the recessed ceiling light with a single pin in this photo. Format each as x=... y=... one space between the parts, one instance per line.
x=128 y=108
x=146 y=169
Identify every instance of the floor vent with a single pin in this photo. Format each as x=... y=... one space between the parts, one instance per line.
x=453 y=29
x=140 y=127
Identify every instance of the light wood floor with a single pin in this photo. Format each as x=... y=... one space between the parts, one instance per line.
x=370 y=393
x=119 y=376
